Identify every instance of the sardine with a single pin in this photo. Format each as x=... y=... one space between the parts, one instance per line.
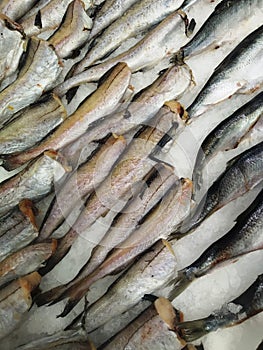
x=39 y=72
x=32 y=125
x=25 y=261
x=83 y=182
x=245 y=237
x=227 y=135
x=110 y=11
x=34 y=182
x=74 y=30
x=231 y=76
x=18 y=229
x=12 y=45
x=15 y=301
x=133 y=165
x=100 y=103
x=46 y=18
x=157 y=182
x=159 y=223
x=230 y=21
x=242 y=174
x=15 y=9
x=247 y=305
x=137 y=18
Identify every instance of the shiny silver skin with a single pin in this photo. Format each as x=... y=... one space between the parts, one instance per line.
x=15 y=9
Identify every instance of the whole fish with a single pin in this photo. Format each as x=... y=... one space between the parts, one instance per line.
x=100 y=103
x=15 y=301
x=40 y=70
x=12 y=45
x=231 y=76
x=157 y=182
x=159 y=223
x=242 y=174
x=17 y=229
x=231 y=20
x=245 y=237
x=33 y=182
x=46 y=18
x=74 y=30
x=137 y=18
x=227 y=135
x=81 y=183
x=133 y=165
x=247 y=305
x=25 y=261
x=15 y=9
x=32 y=125
x=108 y=13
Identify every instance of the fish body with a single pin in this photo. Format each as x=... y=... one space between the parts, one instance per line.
x=25 y=261
x=81 y=183
x=33 y=182
x=227 y=135
x=231 y=76
x=100 y=103
x=15 y=301
x=39 y=72
x=245 y=237
x=17 y=229
x=16 y=9
x=243 y=173
x=247 y=305
x=73 y=31
x=32 y=125
x=137 y=18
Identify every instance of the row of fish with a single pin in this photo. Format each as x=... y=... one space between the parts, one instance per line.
x=107 y=152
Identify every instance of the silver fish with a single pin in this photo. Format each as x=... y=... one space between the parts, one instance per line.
x=137 y=18
x=31 y=125
x=74 y=30
x=34 y=182
x=15 y=301
x=39 y=72
x=83 y=182
x=25 y=261
x=227 y=135
x=15 y=9
x=18 y=229
x=231 y=76
x=12 y=45
x=101 y=102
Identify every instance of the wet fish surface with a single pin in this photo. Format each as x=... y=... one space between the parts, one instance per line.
x=15 y=9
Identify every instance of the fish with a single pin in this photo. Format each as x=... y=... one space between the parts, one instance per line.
x=47 y=18
x=156 y=183
x=247 y=305
x=101 y=102
x=137 y=18
x=12 y=45
x=73 y=31
x=126 y=175
x=31 y=125
x=110 y=11
x=242 y=174
x=229 y=22
x=25 y=261
x=82 y=183
x=15 y=301
x=15 y=9
x=40 y=71
x=33 y=182
x=17 y=229
x=231 y=76
x=244 y=237
x=159 y=223
x=227 y=135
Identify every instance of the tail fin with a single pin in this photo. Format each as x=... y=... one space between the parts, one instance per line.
x=180 y=284
x=192 y=330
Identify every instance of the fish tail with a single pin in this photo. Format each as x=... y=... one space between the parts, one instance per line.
x=178 y=58
x=50 y=296
x=180 y=284
x=71 y=303
x=192 y=330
